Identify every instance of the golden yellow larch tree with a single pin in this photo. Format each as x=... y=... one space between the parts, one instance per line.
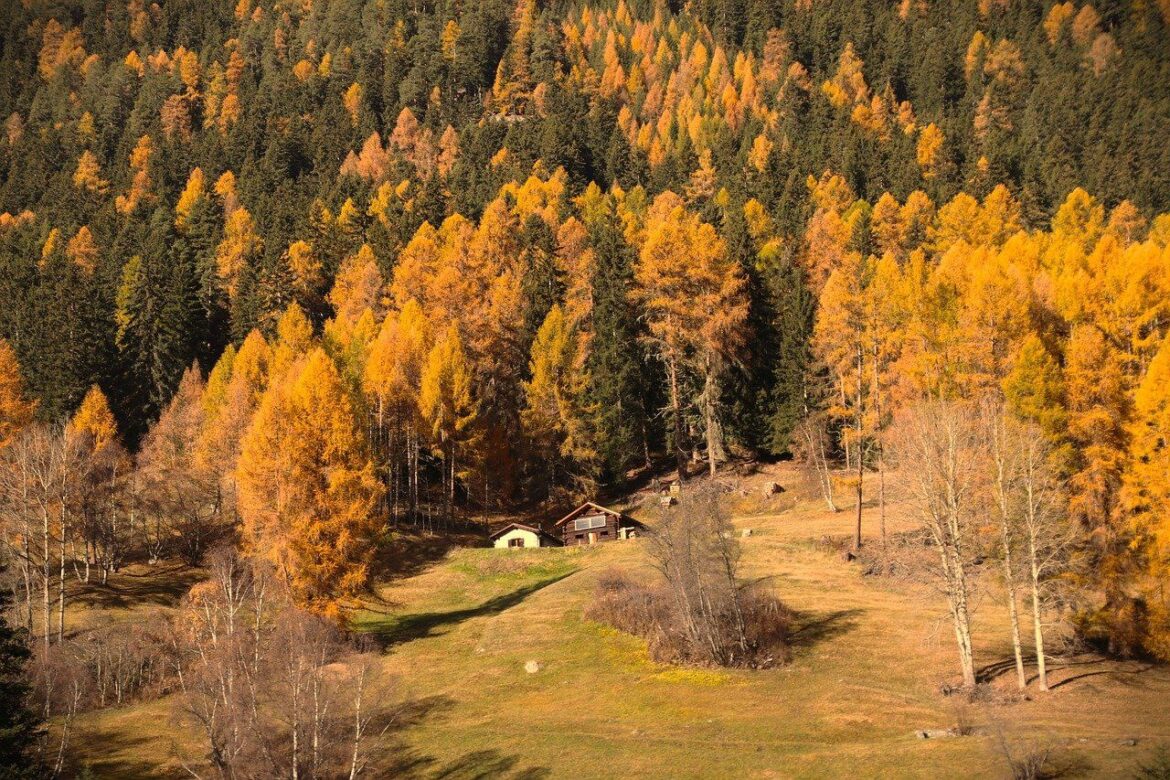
x=884 y=315
x=554 y=417
x=392 y=382
x=308 y=273
x=348 y=343
x=957 y=220
x=94 y=420
x=215 y=390
x=1079 y=220
x=83 y=251
x=358 y=286
x=1099 y=412
x=847 y=87
x=225 y=188
x=449 y=40
x=1128 y=296
x=239 y=247
x=930 y=151
x=234 y=388
x=181 y=496
x=448 y=151
x=999 y=217
x=830 y=230
x=918 y=213
x=1146 y=491
x=139 y=191
x=15 y=411
x=885 y=224
x=695 y=300
x=994 y=307
x=294 y=338
x=1034 y=388
x=576 y=261
x=88 y=175
x=448 y=407
x=307 y=487
x=840 y=343
x=193 y=192
x=1127 y=224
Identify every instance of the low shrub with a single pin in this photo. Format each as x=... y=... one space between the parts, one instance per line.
x=653 y=614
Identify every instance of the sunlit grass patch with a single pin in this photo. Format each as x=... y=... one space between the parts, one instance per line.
x=688 y=676
x=512 y=565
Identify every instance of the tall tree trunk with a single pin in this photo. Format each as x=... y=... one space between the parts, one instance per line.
x=962 y=619
x=1037 y=624
x=1021 y=676
x=876 y=402
x=46 y=577
x=412 y=457
x=61 y=577
x=1003 y=487
x=26 y=570
x=709 y=401
x=860 y=445
x=358 y=726
x=451 y=488
x=882 y=491
x=676 y=406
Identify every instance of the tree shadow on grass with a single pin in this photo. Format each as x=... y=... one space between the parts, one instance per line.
x=402 y=761
x=405 y=628
x=107 y=755
x=1126 y=674
x=476 y=765
x=408 y=552
x=162 y=586
x=812 y=628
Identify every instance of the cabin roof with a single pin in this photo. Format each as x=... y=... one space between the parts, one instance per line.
x=589 y=505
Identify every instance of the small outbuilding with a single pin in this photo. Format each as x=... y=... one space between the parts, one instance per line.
x=592 y=523
x=520 y=535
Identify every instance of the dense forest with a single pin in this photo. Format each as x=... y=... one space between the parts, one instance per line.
x=311 y=266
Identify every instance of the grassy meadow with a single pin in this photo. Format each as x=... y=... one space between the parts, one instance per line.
x=869 y=657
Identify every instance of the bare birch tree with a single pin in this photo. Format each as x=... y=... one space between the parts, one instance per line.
x=937 y=443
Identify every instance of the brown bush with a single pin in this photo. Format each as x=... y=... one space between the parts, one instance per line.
x=652 y=613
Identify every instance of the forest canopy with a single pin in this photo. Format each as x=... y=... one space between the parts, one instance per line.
x=488 y=254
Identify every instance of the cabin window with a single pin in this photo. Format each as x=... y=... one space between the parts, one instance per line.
x=589 y=523
x=516 y=542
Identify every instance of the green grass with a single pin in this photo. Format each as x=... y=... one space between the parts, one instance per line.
x=868 y=660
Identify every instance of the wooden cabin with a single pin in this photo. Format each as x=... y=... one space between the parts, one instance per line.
x=593 y=523
x=516 y=535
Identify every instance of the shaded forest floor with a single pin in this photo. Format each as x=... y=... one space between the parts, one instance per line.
x=869 y=658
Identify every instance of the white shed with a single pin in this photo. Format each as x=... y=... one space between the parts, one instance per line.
x=520 y=535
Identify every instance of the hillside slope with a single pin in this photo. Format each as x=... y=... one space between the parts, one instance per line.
x=869 y=659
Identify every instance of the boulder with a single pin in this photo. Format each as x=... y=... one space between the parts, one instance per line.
x=532 y=667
